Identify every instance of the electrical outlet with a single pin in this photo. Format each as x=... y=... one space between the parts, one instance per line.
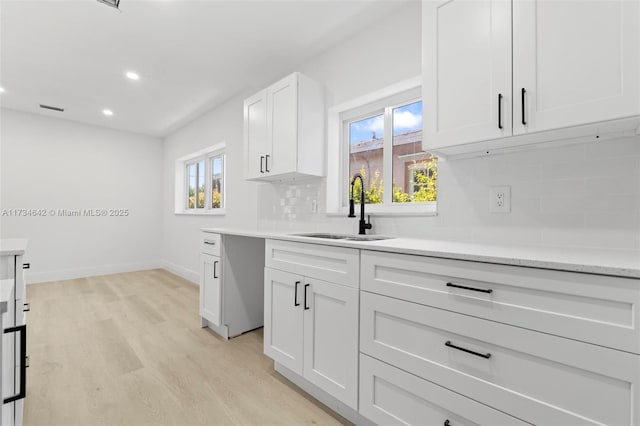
x=500 y=199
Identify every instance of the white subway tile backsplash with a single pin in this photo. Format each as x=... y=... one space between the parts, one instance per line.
x=566 y=203
x=574 y=196
x=612 y=149
x=614 y=184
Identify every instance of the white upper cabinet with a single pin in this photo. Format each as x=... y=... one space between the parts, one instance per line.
x=578 y=62
x=467 y=66
x=284 y=130
x=504 y=71
x=255 y=133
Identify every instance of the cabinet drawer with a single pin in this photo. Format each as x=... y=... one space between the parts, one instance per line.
x=389 y=396
x=328 y=263
x=537 y=377
x=592 y=308
x=211 y=243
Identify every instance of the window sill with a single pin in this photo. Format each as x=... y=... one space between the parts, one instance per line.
x=217 y=212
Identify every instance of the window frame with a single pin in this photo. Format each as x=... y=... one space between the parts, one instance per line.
x=339 y=117
x=181 y=204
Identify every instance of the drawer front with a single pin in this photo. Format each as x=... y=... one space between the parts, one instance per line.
x=390 y=396
x=591 y=308
x=338 y=265
x=211 y=243
x=537 y=377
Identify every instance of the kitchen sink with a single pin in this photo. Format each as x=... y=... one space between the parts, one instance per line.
x=329 y=236
x=367 y=238
x=344 y=237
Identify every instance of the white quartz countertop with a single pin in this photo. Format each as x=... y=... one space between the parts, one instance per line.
x=12 y=246
x=623 y=263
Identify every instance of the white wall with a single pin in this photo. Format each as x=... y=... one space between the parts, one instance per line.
x=48 y=163
x=578 y=196
x=181 y=233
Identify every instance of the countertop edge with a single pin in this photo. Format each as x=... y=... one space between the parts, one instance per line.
x=387 y=246
x=13 y=246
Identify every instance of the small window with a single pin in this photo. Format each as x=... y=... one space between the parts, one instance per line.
x=217 y=171
x=203 y=186
x=382 y=141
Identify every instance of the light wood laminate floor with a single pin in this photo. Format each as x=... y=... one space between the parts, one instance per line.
x=127 y=349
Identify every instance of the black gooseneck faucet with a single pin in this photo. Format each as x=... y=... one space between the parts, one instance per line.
x=363 y=225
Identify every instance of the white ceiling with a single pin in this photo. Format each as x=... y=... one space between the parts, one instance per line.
x=192 y=55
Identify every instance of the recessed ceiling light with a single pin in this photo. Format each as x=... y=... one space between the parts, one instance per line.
x=1 y=89
x=107 y=112
x=132 y=75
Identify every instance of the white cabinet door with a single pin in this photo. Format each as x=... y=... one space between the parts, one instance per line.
x=578 y=62
x=331 y=339
x=9 y=360
x=284 y=130
x=467 y=71
x=282 y=127
x=211 y=288
x=283 y=305
x=255 y=134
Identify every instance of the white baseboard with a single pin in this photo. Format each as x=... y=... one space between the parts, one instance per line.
x=70 y=274
x=183 y=272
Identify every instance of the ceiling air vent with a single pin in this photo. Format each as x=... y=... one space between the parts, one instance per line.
x=112 y=3
x=52 y=108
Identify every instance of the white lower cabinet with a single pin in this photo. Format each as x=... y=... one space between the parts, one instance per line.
x=231 y=292
x=311 y=328
x=210 y=289
x=283 y=326
x=484 y=332
x=389 y=395
x=537 y=377
x=14 y=339
x=331 y=339
x=418 y=340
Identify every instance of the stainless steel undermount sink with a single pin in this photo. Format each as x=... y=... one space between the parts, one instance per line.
x=344 y=237
x=367 y=238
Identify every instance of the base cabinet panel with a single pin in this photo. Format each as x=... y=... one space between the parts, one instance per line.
x=390 y=396
x=311 y=328
x=283 y=318
x=331 y=339
x=536 y=377
x=211 y=289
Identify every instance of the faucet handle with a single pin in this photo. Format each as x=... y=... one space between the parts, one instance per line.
x=368 y=224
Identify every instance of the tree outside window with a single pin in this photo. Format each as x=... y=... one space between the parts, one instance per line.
x=392 y=137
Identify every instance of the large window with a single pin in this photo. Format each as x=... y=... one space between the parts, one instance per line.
x=200 y=182
x=381 y=139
